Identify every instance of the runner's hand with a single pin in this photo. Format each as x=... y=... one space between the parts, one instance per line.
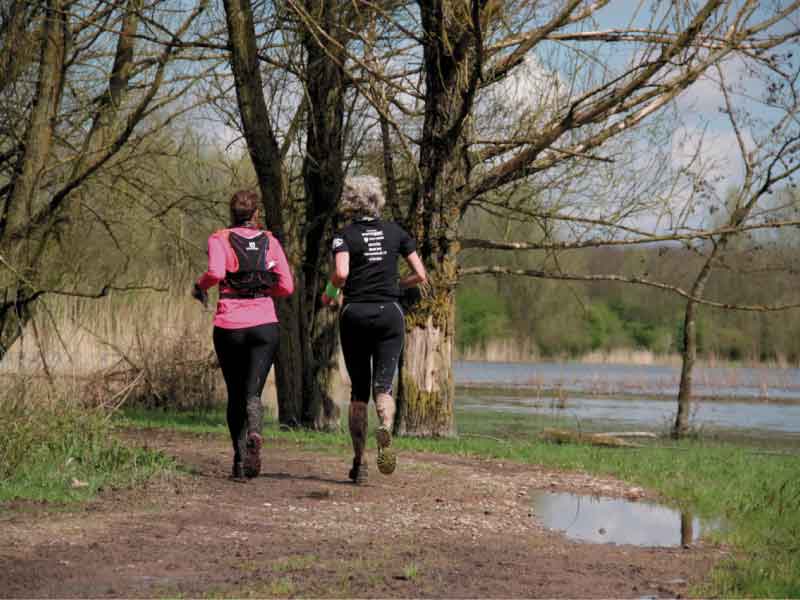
x=330 y=302
x=200 y=294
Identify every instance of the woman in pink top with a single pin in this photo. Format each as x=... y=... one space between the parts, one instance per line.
x=251 y=269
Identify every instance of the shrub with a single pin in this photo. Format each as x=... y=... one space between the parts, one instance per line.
x=732 y=343
x=481 y=316
x=606 y=328
x=162 y=370
x=53 y=448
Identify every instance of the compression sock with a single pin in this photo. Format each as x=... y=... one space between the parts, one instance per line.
x=358 y=434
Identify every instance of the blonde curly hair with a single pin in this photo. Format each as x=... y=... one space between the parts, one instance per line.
x=362 y=196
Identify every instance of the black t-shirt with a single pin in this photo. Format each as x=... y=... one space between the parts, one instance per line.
x=374 y=248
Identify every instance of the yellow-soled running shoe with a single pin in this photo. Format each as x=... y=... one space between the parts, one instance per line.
x=387 y=459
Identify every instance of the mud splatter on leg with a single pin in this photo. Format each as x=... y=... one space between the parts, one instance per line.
x=358 y=433
x=386 y=409
x=358 y=428
x=385 y=406
x=254 y=441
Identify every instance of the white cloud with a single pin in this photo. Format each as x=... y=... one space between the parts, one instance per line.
x=528 y=94
x=530 y=86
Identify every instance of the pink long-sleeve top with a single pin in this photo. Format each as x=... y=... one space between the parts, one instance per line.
x=237 y=313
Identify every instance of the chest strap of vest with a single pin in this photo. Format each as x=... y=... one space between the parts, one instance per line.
x=244 y=294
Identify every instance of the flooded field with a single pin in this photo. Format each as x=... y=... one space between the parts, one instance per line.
x=723 y=383
x=747 y=399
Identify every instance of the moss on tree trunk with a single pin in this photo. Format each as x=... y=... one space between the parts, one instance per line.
x=426 y=395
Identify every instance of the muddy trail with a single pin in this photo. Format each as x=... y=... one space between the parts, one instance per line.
x=442 y=526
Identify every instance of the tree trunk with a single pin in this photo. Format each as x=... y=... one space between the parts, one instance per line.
x=15 y=313
x=265 y=154
x=289 y=364
x=426 y=388
x=321 y=411
x=323 y=175
x=452 y=58
x=687 y=528
x=19 y=205
x=681 y=426
x=17 y=43
x=108 y=119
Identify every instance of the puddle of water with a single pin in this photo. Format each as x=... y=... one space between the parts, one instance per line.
x=616 y=521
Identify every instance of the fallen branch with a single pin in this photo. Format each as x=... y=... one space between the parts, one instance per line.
x=563 y=436
x=485 y=437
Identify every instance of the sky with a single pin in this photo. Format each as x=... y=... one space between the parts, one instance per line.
x=701 y=121
x=702 y=137
x=696 y=120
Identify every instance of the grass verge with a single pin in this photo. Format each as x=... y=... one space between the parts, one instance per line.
x=52 y=451
x=756 y=494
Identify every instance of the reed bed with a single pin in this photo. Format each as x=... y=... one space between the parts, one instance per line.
x=149 y=349
x=513 y=350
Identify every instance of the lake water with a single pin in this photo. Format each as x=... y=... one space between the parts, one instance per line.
x=717 y=382
x=747 y=399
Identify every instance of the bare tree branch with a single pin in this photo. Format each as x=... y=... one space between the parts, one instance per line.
x=563 y=276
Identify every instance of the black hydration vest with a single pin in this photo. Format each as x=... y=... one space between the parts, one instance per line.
x=252 y=279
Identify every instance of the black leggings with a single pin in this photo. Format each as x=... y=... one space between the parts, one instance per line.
x=372 y=339
x=245 y=356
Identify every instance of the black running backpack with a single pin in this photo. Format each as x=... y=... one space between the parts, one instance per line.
x=253 y=277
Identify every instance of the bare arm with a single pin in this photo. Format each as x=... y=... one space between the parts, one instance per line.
x=341 y=269
x=418 y=274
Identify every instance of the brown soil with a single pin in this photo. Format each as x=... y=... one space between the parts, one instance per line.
x=440 y=527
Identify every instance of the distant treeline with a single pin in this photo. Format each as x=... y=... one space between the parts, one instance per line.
x=560 y=319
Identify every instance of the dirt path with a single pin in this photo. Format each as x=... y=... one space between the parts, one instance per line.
x=440 y=527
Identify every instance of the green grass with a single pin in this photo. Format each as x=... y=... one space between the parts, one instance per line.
x=295 y=563
x=411 y=571
x=756 y=495
x=278 y=588
x=63 y=454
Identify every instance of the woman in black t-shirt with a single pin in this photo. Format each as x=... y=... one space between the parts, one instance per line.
x=371 y=322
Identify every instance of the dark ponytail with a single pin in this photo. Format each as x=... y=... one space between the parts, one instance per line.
x=244 y=206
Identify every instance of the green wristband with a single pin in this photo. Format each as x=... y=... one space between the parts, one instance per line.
x=331 y=291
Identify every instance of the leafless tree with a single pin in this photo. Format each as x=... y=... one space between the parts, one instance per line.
x=610 y=84
x=438 y=76
x=768 y=142
x=86 y=87
x=320 y=30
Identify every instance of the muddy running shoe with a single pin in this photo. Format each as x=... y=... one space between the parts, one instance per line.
x=252 y=456
x=387 y=460
x=237 y=473
x=359 y=472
